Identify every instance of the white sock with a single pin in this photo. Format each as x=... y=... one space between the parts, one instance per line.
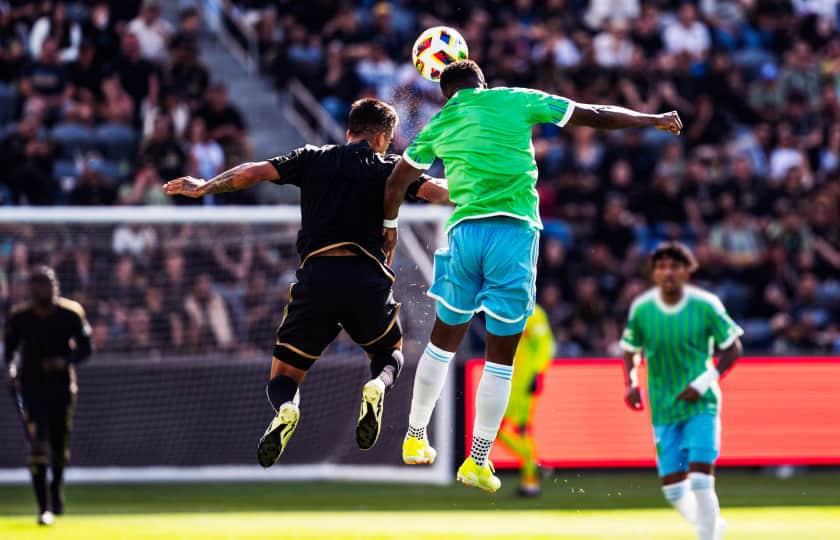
x=708 y=509
x=491 y=400
x=428 y=382
x=683 y=499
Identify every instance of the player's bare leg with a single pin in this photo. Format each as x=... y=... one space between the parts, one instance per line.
x=428 y=383
x=491 y=400
x=519 y=440
x=283 y=394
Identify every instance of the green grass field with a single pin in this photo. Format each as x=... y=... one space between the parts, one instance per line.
x=574 y=506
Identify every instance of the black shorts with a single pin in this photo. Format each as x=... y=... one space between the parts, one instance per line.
x=332 y=293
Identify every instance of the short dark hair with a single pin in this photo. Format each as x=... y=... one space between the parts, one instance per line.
x=461 y=74
x=676 y=251
x=370 y=116
x=43 y=273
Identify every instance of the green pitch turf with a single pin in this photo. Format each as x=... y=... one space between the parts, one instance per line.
x=574 y=506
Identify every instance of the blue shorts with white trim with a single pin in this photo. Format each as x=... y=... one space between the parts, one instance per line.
x=490 y=265
x=695 y=440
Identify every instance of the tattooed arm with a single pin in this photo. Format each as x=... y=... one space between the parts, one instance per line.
x=240 y=177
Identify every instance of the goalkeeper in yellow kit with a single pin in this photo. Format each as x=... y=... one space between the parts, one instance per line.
x=533 y=357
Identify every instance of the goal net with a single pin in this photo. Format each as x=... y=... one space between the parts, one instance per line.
x=184 y=303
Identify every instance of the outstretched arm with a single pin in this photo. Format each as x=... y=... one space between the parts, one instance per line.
x=614 y=117
x=240 y=177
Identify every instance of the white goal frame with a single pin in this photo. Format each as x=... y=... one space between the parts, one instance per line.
x=443 y=420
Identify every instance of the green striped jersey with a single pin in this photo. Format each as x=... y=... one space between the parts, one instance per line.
x=483 y=137
x=678 y=343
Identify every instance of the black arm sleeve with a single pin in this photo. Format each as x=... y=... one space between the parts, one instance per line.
x=11 y=341
x=81 y=335
x=292 y=167
x=411 y=193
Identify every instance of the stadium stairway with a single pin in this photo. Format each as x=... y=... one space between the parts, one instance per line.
x=262 y=106
x=269 y=131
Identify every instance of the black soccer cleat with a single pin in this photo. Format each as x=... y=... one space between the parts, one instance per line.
x=277 y=435
x=370 y=414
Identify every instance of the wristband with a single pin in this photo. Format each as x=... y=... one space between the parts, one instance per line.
x=705 y=380
x=390 y=223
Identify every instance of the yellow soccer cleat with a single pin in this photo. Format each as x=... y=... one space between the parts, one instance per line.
x=418 y=452
x=482 y=477
x=370 y=416
x=278 y=433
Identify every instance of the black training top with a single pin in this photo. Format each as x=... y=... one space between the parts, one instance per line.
x=342 y=195
x=47 y=337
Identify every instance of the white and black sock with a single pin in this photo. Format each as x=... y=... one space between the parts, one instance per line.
x=428 y=383
x=491 y=399
x=417 y=433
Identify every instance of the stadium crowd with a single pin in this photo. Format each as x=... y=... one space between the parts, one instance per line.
x=101 y=102
x=752 y=185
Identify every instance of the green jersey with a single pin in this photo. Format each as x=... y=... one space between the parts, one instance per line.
x=483 y=137
x=678 y=343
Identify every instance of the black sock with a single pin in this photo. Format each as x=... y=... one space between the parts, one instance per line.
x=56 y=485
x=281 y=389
x=387 y=367
x=39 y=482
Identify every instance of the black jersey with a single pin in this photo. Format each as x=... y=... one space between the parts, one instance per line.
x=342 y=195
x=44 y=337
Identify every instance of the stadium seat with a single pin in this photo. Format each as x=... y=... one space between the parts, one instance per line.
x=73 y=139
x=118 y=142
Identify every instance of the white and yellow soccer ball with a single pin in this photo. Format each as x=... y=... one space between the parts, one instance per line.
x=435 y=49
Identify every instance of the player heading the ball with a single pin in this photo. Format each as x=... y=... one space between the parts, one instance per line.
x=483 y=137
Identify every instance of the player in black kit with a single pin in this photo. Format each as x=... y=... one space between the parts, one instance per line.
x=53 y=336
x=344 y=280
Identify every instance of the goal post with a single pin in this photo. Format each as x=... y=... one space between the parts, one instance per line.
x=175 y=391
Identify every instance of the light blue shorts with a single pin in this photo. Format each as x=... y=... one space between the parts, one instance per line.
x=490 y=266
x=696 y=440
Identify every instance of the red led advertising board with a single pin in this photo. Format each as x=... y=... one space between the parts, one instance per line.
x=775 y=411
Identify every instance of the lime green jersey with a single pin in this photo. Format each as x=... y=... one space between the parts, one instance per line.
x=483 y=137
x=678 y=343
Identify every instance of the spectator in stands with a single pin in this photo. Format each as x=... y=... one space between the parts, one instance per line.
x=206 y=157
x=224 y=123
x=86 y=75
x=687 y=34
x=613 y=48
x=189 y=24
x=12 y=55
x=152 y=31
x=138 y=77
x=93 y=188
x=46 y=82
x=55 y=24
x=186 y=75
x=163 y=151
x=208 y=319
x=27 y=156
x=101 y=32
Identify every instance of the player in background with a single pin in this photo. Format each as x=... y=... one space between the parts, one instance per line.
x=344 y=280
x=53 y=336
x=678 y=327
x=533 y=358
x=483 y=136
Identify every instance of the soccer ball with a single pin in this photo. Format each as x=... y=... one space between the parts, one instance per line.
x=435 y=49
